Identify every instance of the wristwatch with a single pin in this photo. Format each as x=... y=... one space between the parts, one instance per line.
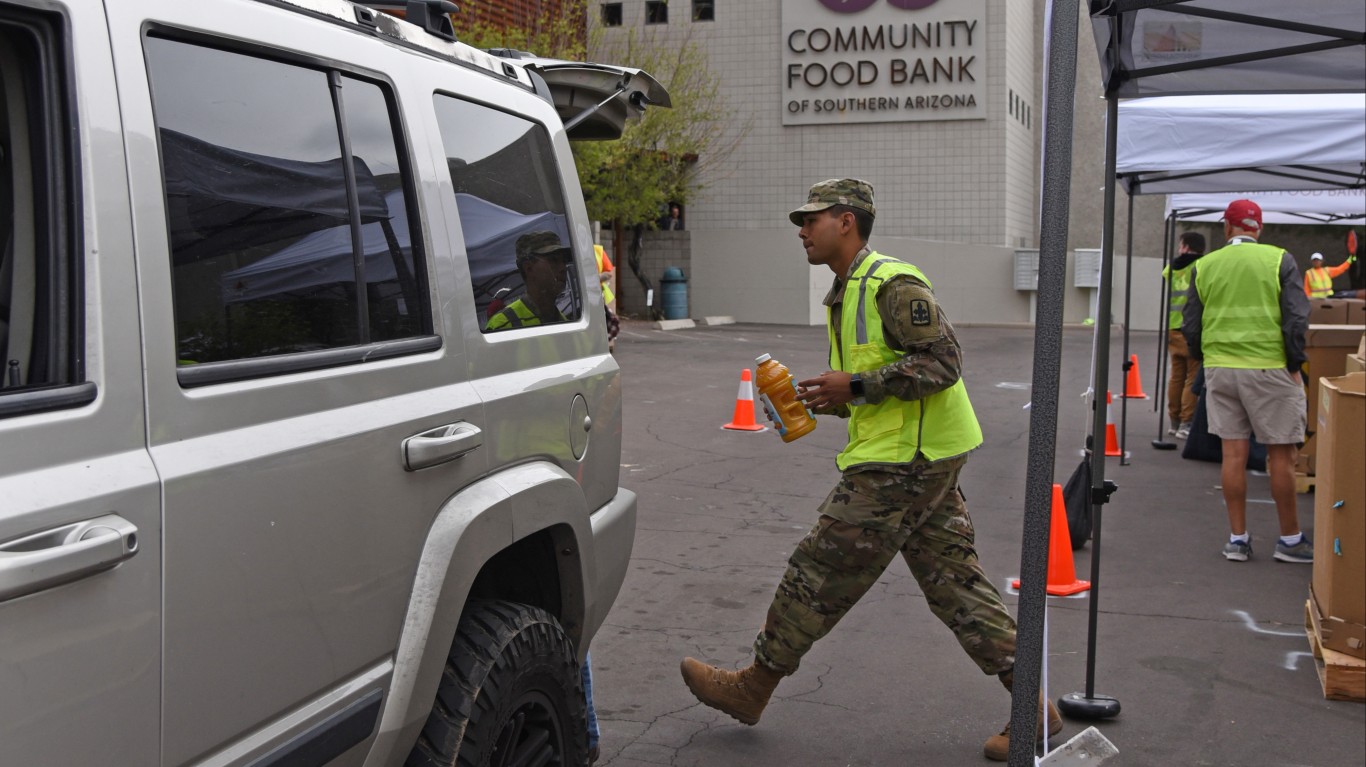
x=856 y=387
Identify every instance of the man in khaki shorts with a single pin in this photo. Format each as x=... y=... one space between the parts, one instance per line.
x=1245 y=317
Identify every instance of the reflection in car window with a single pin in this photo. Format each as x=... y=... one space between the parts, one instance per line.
x=277 y=233
x=39 y=331
x=512 y=213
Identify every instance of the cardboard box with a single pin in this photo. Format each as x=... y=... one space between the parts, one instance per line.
x=1356 y=363
x=1339 y=580
x=1335 y=633
x=1306 y=461
x=1326 y=311
x=1327 y=347
x=1356 y=311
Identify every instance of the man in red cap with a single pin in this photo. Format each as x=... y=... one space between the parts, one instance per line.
x=1245 y=317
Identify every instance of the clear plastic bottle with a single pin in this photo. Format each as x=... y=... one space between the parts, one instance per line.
x=779 y=394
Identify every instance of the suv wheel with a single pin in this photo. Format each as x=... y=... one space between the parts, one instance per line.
x=510 y=696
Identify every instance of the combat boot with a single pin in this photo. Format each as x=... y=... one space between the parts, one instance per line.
x=997 y=747
x=741 y=694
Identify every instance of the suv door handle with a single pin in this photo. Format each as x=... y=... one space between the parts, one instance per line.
x=439 y=445
x=42 y=560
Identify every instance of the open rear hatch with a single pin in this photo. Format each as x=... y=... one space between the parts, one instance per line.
x=593 y=100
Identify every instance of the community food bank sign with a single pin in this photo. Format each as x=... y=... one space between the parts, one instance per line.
x=862 y=61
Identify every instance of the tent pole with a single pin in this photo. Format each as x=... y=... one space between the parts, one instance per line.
x=1161 y=374
x=1059 y=89
x=1088 y=705
x=1128 y=293
x=1160 y=386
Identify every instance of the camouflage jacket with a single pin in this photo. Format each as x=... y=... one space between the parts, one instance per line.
x=932 y=359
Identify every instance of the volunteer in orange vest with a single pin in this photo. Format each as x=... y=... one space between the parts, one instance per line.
x=1318 y=281
x=609 y=299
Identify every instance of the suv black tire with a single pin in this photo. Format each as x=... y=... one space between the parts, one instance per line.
x=511 y=694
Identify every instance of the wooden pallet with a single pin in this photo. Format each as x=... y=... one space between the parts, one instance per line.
x=1341 y=676
x=1305 y=483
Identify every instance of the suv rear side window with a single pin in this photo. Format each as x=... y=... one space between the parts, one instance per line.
x=287 y=205
x=41 y=365
x=512 y=211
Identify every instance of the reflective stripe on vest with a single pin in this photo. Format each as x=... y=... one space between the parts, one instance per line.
x=939 y=426
x=515 y=315
x=1181 y=282
x=1320 y=283
x=1240 y=285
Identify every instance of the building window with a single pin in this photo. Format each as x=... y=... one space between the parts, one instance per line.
x=656 y=12
x=704 y=10
x=611 y=14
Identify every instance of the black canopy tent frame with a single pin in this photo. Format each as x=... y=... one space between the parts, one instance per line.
x=1168 y=233
x=1115 y=22
x=1061 y=71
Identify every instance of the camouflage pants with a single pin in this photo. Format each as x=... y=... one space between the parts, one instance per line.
x=866 y=520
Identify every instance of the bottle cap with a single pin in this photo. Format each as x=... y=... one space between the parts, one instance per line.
x=762 y=358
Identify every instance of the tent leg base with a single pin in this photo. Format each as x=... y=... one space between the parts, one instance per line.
x=1076 y=705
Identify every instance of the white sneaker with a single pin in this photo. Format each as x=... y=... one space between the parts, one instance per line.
x=1183 y=431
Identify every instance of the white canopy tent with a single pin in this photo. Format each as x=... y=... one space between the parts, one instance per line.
x=1180 y=144
x=1318 y=206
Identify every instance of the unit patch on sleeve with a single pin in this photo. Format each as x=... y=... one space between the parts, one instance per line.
x=920 y=312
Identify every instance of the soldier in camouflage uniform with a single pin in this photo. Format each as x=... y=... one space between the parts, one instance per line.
x=896 y=374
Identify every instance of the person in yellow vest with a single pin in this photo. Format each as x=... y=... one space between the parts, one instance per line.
x=1318 y=281
x=544 y=265
x=609 y=299
x=1180 y=397
x=1245 y=319
x=895 y=374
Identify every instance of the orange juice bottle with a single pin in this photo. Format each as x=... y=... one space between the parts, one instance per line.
x=779 y=394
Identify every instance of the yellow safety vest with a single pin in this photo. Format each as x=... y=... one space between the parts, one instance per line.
x=1240 y=288
x=1181 y=282
x=601 y=255
x=939 y=426
x=515 y=315
x=1320 y=283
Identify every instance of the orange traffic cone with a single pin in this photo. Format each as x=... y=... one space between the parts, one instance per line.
x=743 y=420
x=1133 y=383
x=1111 y=437
x=1062 y=573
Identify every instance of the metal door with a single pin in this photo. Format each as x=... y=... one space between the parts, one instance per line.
x=301 y=472
x=80 y=533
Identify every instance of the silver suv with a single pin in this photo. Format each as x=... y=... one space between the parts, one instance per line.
x=274 y=487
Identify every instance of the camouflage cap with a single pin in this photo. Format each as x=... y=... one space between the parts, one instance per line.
x=836 y=191
x=540 y=243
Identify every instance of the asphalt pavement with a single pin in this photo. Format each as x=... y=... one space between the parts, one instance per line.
x=1208 y=658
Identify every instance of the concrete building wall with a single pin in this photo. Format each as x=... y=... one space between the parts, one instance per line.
x=660 y=251
x=974 y=283
x=940 y=180
x=1022 y=129
x=956 y=197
